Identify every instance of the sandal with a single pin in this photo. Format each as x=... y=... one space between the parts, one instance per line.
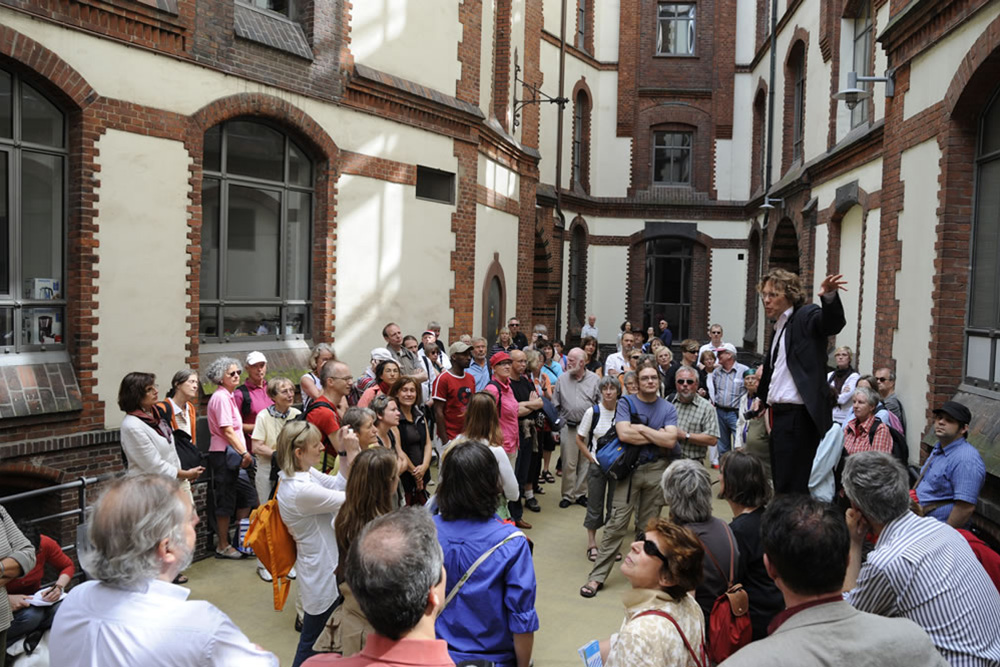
x=592 y=554
x=590 y=589
x=547 y=476
x=180 y=579
x=618 y=556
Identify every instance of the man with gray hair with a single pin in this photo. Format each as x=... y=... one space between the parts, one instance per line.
x=395 y=569
x=697 y=424
x=575 y=393
x=590 y=328
x=142 y=534
x=921 y=569
x=479 y=367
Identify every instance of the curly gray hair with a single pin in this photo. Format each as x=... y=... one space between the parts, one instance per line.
x=687 y=488
x=217 y=369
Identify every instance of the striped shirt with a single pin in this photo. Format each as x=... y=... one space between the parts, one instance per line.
x=924 y=570
x=729 y=385
x=698 y=416
x=13 y=544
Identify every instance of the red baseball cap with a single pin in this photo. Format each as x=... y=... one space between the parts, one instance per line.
x=499 y=358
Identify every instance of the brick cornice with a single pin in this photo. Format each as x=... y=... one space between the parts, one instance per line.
x=922 y=24
x=599 y=65
x=642 y=206
x=357 y=164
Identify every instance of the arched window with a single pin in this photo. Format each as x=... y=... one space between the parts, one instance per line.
x=581 y=142
x=797 y=71
x=33 y=164
x=862 y=57
x=982 y=360
x=577 y=277
x=668 y=284
x=257 y=203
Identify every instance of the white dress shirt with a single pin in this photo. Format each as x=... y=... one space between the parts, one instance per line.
x=615 y=362
x=308 y=503
x=153 y=626
x=782 y=388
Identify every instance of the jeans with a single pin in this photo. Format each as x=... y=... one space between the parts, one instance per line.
x=312 y=626
x=30 y=619
x=727 y=429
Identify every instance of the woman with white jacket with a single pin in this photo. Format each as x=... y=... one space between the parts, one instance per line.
x=146 y=437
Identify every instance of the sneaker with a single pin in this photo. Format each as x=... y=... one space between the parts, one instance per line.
x=532 y=504
x=291 y=573
x=565 y=502
x=298 y=624
x=582 y=500
x=229 y=552
x=264 y=574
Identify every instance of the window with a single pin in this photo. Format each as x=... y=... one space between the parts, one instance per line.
x=798 y=100
x=33 y=164
x=279 y=6
x=581 y=25
x=672 y=158
x=862 y=58
x=577 y=278
x=982 y=357
x=581 y=133
x=257 y=201
x=435 y=185
x=675 y=29
x=668 y=284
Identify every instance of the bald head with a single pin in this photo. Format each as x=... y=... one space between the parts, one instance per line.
x=519 y=364
x=576 y=362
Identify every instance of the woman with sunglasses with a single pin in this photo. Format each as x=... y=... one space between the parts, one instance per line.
x=663 y=625
x=227 y=453
x=632 y=364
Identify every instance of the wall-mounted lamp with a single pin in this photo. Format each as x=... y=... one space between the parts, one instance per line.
x=853 y=95
x=769 y=203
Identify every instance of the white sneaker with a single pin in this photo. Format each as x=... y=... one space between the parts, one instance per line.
x=291 y=573
x=264 y=574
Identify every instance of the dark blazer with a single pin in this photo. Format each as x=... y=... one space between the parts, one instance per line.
x=805 y=348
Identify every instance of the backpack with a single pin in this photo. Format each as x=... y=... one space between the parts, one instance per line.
x=328 y=448
x=188 y=453
x=729 y=628
x=245 y=408
x=616 y=459
x=270 y=540
x=594 y=418
x=900 y=450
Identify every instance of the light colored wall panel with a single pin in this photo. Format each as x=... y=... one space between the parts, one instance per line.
x=496 y=232
x=607 y=271
x=820 y=250
x=729 y=295
x=850 y=267
x=866 y=358
x=142 y=288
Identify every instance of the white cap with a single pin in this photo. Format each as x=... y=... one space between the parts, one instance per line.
x=255 y=358
x=382 y=354
x=727 y=347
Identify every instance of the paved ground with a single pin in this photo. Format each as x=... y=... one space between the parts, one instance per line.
x=567 y=620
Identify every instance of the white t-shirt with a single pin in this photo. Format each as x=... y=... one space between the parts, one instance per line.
x=604 y=422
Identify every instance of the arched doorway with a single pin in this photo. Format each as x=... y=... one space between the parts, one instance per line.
x=785 y=248
x=494 y=301
x=753 y=301
x=577 y=293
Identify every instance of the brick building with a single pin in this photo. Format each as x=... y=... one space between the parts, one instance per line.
x=187 y=179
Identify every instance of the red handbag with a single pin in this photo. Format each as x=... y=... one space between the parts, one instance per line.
x=729 y=627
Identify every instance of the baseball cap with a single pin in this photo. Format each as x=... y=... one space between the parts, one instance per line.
x=255 y=358
x=956 y=411
x=749 y=371
x=428 y=332
x=382 y=354
x=458 y=348
x=499 y=358
x=727 y=347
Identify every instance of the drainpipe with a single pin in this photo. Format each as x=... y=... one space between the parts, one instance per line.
x=559 y=140
x=769 y=158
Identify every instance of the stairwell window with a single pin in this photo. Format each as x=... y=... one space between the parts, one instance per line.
x=675 y=24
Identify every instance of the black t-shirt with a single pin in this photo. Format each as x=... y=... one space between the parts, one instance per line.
x=522 y=389
x=520 y=340
x=765 y=598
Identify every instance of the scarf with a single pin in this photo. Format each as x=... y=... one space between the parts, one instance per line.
x=383 y=387
x=154 y=422
x=271 y=410
x=839 y=377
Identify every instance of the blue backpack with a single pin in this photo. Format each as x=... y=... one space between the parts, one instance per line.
x=616 y=458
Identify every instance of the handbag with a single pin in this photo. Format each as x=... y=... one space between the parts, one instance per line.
x=617 y=459
x=700 y=662
x=729 y=627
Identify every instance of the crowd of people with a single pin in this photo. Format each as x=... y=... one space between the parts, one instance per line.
x=842 y=554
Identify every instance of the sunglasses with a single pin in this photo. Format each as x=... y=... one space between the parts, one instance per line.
x=679 y=381
x=650 y=547
x=233 y=374
x=880 y=380
x=635 y=357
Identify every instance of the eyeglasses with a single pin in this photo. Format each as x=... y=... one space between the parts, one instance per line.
x=680 y=381
x=693 y=351
x=233 y=374
x=650 y=547
x=513 y=324
x=771 y=295
x=345 y=378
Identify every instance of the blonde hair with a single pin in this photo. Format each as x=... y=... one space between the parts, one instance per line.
x=294 y=436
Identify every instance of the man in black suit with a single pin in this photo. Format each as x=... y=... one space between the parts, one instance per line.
x=794 y=379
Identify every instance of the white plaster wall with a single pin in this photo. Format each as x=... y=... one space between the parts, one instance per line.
x=866 y=356
x=850 y=267
x=729 y=295
x=498 y=178
x=919 y=171
x=486 y=57
x=611 y=226
x=932 y=71
x=496 y=232
x=392 y=36
x=142 y=288
x=393 y=264
x=723 y=229
x=607 y=279
x=820 y=251
x=737 y=168
x=746 y=30
x=868 y=176
x=606 y=26
x=725 y=179
x=610 y=155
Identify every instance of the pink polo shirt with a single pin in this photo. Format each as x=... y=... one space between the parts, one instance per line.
x=222 y=412
x=508 y=415
x=259 y=400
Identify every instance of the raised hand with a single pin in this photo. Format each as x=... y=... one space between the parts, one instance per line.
x=831 y=284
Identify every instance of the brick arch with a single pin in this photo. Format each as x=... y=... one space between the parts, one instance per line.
x=758 y=131
x=495 y=270
x=679 y=116
x=784 y=248
x=58 y=76
x=326 y=155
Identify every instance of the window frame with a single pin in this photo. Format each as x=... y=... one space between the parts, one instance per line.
x=581 y=25
x=580 y=153
x=991 y=383
x=288 y=14
x=798 y=104
x=692 y=29
x=14 y=148
x=859 y=114
x=652 y=308
x=225 y=182
x=690 y=150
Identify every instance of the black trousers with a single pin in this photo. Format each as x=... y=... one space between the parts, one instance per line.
x=522 y=472
x=794 y=440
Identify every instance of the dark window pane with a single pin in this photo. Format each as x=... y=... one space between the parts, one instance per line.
x=991 y=130
x=297 y=321
x=42 y=193
x=250 y=321
x=6 y=326
x=210 y=239
x=985 y=250
x=41 y=121
x=255 y=150
x=253 y=242
x=299 y=167
x=41 y=326
x=6 y=105
x=213 y=149
x=4 y=225
x=208 y=321
x=298 y=243
x=436 y=185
